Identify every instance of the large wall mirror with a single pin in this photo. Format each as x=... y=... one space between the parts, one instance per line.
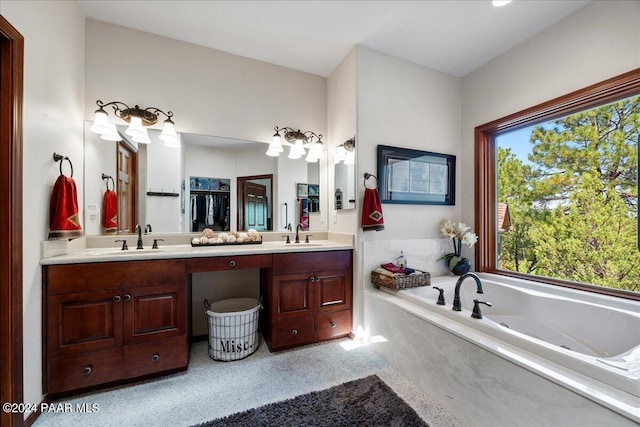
x=213 y=182
x=344 y=196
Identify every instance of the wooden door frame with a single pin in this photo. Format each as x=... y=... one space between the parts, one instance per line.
x=133 y=209
x=240 y=209
x=11 y=97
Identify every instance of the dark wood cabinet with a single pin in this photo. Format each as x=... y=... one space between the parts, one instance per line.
x=108 y=322
x=307 y=298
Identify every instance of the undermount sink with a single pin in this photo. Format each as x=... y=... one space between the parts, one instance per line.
x=301 y=245
x=110 y=252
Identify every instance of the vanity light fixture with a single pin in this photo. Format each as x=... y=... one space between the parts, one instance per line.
x=346 y=152
x=138 y=120
x=298 y=142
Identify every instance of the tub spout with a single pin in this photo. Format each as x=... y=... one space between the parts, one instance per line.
x=457 y=306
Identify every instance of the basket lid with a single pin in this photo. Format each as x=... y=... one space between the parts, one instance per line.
x=233 y=305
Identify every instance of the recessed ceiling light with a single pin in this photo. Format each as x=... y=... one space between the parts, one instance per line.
x=499 y=3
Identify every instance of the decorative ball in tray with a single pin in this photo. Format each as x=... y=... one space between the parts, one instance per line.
x=209 y=238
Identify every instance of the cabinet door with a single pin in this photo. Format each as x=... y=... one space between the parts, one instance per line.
x=333 y=291
x=84 y=321
x=292 y=296
x=154 y=312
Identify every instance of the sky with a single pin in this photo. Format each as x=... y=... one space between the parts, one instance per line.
x=518 y=141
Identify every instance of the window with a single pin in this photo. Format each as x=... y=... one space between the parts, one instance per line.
x=557 y=190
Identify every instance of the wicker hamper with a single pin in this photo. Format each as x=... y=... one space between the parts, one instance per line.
x=233 y=328
x=400 y=282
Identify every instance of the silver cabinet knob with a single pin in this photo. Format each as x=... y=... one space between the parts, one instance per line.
x=232 y=263
x=126 y=297
x=87 y=370
x=333 y=325
x=294 y=332
x=312 y=279
x=117 y=298
x=155 y=358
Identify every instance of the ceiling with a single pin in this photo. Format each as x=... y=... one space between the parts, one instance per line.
x=452 y=36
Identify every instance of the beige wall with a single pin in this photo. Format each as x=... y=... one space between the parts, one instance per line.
x=52 y=121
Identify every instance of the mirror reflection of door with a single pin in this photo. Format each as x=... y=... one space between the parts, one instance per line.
x=254 y=202
x=127 y=174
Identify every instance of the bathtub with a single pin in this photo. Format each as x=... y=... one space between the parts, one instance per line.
x=585 y=342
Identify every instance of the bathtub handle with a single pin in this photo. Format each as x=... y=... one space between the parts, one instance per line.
x=440 y=296
x=476 y=313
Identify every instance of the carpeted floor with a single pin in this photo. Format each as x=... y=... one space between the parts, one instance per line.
x=209 y=390
x=367 y=401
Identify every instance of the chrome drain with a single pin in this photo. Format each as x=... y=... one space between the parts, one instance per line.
x=505 y=325
x=567 y=347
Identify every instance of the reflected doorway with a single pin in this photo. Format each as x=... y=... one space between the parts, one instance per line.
x=127 y=165
x=255 y=206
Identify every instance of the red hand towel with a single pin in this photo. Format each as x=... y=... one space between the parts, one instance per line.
x=304 y=213
x=372 y=210
x=64 y=221
x=110 y=212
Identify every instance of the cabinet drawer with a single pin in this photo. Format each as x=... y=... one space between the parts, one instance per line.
x=290 y=333
x=111 y=275
x=148 y=358
x=307 y=262
x=332 y=325
x=66 y=373
x=196 y=265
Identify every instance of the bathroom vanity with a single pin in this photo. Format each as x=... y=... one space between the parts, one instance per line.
x=110 y=316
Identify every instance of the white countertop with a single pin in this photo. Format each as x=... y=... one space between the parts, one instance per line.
x=110 y=254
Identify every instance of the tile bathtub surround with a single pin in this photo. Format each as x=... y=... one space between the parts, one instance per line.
x=421 y=254
x=210 y=389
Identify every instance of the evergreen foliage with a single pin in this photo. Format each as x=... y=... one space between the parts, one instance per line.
x=574 y=204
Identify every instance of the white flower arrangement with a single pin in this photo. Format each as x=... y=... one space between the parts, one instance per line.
x=460 y=234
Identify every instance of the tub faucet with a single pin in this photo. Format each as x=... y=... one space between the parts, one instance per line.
x=138 y=230
x=457 y=306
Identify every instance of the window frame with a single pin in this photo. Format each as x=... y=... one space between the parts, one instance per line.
x=485 y=166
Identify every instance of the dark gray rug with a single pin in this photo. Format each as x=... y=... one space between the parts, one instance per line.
x=364 y=402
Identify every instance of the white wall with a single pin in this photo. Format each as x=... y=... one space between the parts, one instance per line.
x=209 y=91
x=163 y=174
x=600 y=41
x=342 y=122
x=406 y=105
x=52 y=121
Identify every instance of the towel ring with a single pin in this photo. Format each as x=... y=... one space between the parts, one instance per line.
x=107 y=178
x=60 y=158
x=368 y=175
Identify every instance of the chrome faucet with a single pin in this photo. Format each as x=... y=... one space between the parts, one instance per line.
x=457 y=306
x=138 y=230
x=298 y=227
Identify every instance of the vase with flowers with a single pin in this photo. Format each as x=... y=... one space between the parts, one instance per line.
x=460 y=234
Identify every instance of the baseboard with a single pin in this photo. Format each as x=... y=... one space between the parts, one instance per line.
x=34 y=415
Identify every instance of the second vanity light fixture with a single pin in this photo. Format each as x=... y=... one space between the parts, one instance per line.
x=138 y=120
x=346 y=152
x=298 y=141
